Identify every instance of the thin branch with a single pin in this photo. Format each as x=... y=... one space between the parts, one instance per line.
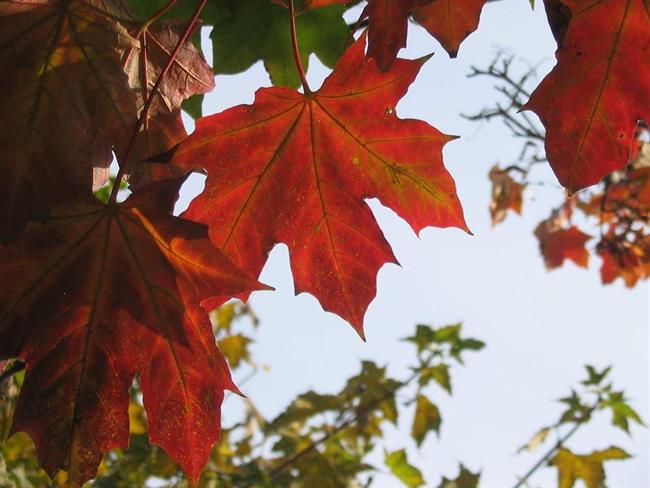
x=124 y=164
x=275 y=472
x=554 y=448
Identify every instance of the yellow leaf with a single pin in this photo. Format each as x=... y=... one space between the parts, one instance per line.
x=588 y=468
x=427 y=417
x=137 y=420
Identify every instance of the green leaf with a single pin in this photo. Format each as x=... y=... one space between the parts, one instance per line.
x=424 y=336
x=622 y=412
x=235 y=348
x=588 y=468
x=465 y=479
x=405 y=472
x=304 y=407
x=595 y=376
x=103 y=193
x=576 y=411
x=193 y=106
x=427 y=418
x=248 y=31
x=439 y=373
x=449 y=333
x=143 y=9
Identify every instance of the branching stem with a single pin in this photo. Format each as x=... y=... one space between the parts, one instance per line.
x=162 y=11
x=555 y=447
x=125 y=163
x=296 y=48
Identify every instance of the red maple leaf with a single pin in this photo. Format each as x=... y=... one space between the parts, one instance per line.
x=449 y=22
x=98 y=294
x=592 y=100
x=557 y=245
x=296 y=169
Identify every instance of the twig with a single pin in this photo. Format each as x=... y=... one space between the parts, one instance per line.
x=124 y=164
x=545 y=458
x=275 y=472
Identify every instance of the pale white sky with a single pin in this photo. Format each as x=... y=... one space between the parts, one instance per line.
x=540 y=327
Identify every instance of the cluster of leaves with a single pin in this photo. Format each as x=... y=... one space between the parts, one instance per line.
x=328 y=439
x=94 y=293
x=318 y=440
x=597 y=395
x=617 y=209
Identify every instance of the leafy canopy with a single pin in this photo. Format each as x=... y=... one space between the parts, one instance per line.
x=94 y=293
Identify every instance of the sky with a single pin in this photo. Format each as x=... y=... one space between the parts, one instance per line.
x=540 y=327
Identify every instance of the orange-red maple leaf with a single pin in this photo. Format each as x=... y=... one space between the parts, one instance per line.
x=556 y=245
x=450 y=22
x=592 y=100
x=98 y=294
x=296 y=169
x=507 y=194
x=627 y=259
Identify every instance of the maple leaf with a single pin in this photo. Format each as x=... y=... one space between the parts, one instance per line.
x=629 y=260
x=296 y=169
x=188 y=75
x=465 y=479
x=591 y=101
x=61 y=77
x=449 y=22
x=74 y=83
x=427 y=418
x=506 y=195
x=557 y=244
x=98 y=294
x=245 y=32
x=588 y=468
x=387 y=28
x=398 y=464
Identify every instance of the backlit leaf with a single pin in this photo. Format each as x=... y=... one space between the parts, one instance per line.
x=296 y=169
x=592 y=100
x=252 y=30
x=65 y=101
x=405 y=472
x=450 y=22
x=427 y=418
x=588 y=468
x=98 y=294
x=465 y=479
x=557 y=245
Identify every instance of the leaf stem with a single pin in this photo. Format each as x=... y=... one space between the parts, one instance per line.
x=296 y=49
x=555 y=447
x=124 y=164
x=162 y=11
